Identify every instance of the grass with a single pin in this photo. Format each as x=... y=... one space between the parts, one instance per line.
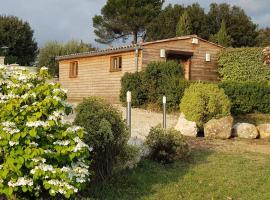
x=206 y=175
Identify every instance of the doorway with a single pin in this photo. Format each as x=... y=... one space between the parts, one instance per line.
x=183 y=58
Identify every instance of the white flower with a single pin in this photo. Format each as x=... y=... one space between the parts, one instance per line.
x=37 y=160
x=57 y=115
x=59 y=90
x=11 y=143
x=43 y=68
x=37 y=124
x=80 y=144
x=63 y=186
x=74 y=129
x=33 y=144
x=57 y=98
x=62 y=143
x=21 y=182
x=44 y=167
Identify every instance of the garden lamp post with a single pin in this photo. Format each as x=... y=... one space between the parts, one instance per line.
x=164 y=111
x=5 y=49
x=128 y=117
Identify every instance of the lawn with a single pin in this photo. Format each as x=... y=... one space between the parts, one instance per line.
x=207 y=174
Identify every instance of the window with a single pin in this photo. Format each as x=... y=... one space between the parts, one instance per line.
x=73 y=69
x=116 y=64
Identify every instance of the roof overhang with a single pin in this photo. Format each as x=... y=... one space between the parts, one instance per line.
x=100 y=52
x=179 y=52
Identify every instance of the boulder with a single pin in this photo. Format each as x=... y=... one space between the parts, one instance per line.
x=245 y=130
x=186 y=127
x=219 y=128
x=264 y=130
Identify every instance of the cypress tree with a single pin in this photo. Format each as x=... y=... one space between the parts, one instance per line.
x=184 y=25
x=221 y=37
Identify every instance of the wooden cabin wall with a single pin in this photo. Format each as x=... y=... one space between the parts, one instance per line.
x=199 y=69
x=94 y=76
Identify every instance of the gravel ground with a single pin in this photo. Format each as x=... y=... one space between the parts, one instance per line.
x=141 y=122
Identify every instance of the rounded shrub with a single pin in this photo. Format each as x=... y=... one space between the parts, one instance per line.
x=41 y=156
x=106 y=133
x=202 y=102
x=133 y=82
x=166 y=145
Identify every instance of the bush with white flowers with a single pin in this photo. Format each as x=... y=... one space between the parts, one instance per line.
x=39 y=153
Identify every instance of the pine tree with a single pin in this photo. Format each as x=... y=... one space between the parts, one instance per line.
x=121 y=19
x=221 y=37
x=184 y=25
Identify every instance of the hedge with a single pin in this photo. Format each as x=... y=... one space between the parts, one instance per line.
x=243 y=64
x=149 y=86
x=248 y=97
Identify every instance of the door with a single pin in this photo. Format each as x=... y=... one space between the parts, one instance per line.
x=186 y=67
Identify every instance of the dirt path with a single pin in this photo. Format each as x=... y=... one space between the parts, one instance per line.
x=143 y=120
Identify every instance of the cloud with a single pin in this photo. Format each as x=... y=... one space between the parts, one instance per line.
x=63 y=20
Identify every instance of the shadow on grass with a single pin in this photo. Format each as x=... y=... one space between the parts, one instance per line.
x=141 y=182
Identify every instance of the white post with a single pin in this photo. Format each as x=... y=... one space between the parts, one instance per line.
x=128 y=117
x=164 y=111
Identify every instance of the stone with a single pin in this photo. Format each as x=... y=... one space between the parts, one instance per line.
x=187 y=128
x=219 y=128
x=264 y=130
x=245 y=130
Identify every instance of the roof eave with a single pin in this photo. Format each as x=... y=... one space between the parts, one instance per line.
x=97 y=53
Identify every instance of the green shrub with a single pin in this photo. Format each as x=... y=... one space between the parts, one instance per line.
x=166 y=145
x=248 y=97
x=243 y=64
x=149 y=86
x=174 y=90
x=157 y=75
x=133 y=82
x=203 y=102
x=40 y=155
x=107 y=133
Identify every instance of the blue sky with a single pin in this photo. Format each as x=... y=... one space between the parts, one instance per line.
x=63 y=20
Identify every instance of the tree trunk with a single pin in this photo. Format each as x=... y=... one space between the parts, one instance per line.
x=135 y=37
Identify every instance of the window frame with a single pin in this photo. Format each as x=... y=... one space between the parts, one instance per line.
x=73 y=69
x=119 y=63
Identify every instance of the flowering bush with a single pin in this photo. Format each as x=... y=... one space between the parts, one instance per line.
x=266 y=53
x=40 y=154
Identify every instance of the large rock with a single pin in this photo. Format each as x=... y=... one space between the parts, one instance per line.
x=186 y=127
x=245 y=130
x=264 y=130
x=219 y=128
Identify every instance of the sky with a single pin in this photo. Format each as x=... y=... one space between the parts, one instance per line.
x=63 y=20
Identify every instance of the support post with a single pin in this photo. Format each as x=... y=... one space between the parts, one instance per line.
x=128 y=117
x=164 y=112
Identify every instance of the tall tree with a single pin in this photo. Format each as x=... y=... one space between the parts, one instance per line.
x=198 y=20
x=221 y=37
x=263 y=38
x=184 y=25
x=52 y=49
x=17 y=35
x=168 y=20
x=239 y=26
x=123 y=18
